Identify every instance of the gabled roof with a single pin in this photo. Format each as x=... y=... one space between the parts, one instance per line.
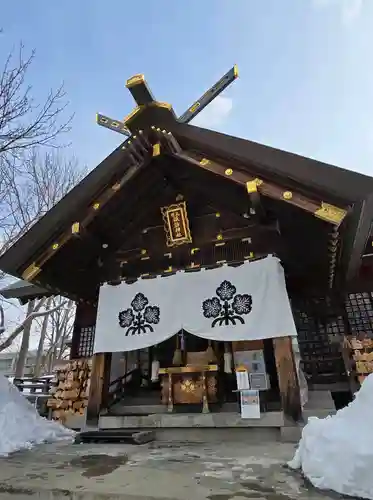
x=328 y=180
x=325 y=182
x=23 y=291
x=66 y=211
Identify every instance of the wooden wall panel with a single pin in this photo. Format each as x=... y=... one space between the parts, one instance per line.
x=287 y=379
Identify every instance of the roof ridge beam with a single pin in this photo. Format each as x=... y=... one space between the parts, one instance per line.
x=320 y=209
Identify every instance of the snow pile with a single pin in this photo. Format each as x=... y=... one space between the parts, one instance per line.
x=20 y=424
x=336 y=452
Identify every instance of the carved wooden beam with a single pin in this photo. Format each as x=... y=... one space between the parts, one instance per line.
x=333 y=252
x=139 y=154
x=325 y=211
x=256 y=204
x=167 y=139
x=265 y=235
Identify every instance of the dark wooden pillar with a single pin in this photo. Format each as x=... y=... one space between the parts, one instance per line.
x=287 y=379
x=85 y=317
x=99 y=386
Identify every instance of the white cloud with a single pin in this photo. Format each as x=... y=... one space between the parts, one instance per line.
x=215 y=114
x=349 y=10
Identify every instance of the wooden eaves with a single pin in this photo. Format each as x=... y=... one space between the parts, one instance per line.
x=308 y=184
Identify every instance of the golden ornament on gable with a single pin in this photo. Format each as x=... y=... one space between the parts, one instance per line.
x=330 y=213
x=176 y=224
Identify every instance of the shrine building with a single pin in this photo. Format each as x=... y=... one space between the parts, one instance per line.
x=212 y=275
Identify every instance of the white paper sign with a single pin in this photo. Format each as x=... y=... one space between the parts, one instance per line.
x=253 y=361
x=250 y=404
x=242 y=378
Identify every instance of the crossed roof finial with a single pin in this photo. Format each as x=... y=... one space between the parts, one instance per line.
x=144 y=99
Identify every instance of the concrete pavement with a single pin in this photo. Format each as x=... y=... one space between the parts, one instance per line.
x=159 y=471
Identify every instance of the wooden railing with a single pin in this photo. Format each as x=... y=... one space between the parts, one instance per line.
x=122 y=385
x=36 y=390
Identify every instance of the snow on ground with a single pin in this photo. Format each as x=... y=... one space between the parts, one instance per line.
x=20 y=425
x=336 y=452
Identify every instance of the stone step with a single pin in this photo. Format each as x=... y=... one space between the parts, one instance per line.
x=319 y=400
x=121 y=408
x=134 y=436
x=184 y=420
x=317 y=413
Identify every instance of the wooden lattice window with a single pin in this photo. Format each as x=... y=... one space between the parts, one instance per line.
x=359 y=308
x=86 y=340
x=319 y=334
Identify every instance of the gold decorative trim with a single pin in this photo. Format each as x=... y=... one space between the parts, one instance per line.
x=228 y=171
x=75 y=228
x=158 y=104
x=131 y=115
x=188 y=369
x=32 y=271
x=101 y=119
x=287 y=195
x=176 y=224
x=188 y=385
x=156 y=149
x=96 y=206
x=193 y=265
x=135 y=80
x=330 y=213
x=55 y=246
x=235 y=71
x=140 y=109
x=252 y=186
x=204 y=161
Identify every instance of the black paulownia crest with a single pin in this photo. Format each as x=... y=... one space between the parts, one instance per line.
x=228 y=307
x=140 y=317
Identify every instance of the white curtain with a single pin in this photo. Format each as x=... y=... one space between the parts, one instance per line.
x=228 y=304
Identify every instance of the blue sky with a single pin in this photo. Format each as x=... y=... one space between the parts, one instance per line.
x=306 y=73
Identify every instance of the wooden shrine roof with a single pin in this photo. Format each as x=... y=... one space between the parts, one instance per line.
x=23 y=291
x=321 y=178
x=119 y=197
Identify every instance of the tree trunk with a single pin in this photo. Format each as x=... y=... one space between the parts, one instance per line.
x=39 y=355
x=60 y=335
x=22 y=356
x=19 y=329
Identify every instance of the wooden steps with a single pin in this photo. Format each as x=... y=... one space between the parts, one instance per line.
x=129 y=436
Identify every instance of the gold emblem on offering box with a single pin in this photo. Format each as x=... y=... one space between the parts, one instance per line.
x=176 y=224
x=188 y=385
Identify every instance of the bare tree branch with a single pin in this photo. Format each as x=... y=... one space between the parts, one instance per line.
x=35 y=314
x=25 y=124
x=34 y=174
x=43 y=333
